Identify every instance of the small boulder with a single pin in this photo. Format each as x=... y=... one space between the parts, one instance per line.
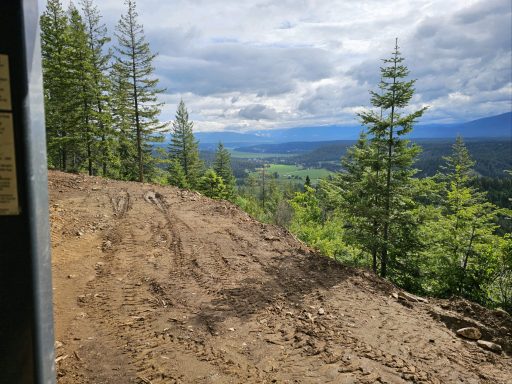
x=470 y=333
x=321 y=311
x=489 y=345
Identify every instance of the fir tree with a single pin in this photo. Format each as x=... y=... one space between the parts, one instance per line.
x=222 y=166
x=466 y=251
x=54 y=42
x=184 y=147
x=125 y=160
x=177 y=175
x=361 y=187
x=79 y=114
x=100 y=58
x=212 y=185
x=134 y=61
x=391 y=160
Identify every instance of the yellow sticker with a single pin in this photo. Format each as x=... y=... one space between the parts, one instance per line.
x=8 y=183
x=5 y=84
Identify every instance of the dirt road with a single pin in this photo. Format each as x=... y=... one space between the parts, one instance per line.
x=157 y=285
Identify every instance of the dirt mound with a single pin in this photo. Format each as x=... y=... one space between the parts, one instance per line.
x=159 y=285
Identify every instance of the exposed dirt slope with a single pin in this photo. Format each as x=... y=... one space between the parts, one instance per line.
x=157 y=285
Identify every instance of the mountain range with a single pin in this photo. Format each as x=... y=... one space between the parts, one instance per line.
x=493 y=126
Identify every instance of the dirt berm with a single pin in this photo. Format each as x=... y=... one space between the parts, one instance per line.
x=158 y=285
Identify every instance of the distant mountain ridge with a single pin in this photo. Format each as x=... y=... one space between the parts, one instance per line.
x=493 y=126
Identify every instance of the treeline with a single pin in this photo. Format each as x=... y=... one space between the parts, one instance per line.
x=102 y=112
x=492 y=156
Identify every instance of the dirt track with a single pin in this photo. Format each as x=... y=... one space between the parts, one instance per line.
x=157 y=285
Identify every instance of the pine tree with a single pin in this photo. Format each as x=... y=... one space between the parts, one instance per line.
x=222 y=166
x=100 y=58
x=359 y=193
x=177 y=175
x=466 y=250
x=54 y=42
x=184 y=147
x=125 y=159
x=212 y=185
x=79 y=113
x=134 y=62
x=392 y=158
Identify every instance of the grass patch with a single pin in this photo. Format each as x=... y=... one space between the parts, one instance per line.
x=297 y=172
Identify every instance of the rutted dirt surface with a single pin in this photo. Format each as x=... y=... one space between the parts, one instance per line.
x=157 y=285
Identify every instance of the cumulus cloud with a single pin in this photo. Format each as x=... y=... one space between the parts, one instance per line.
x=258 y=112
x=262 y=64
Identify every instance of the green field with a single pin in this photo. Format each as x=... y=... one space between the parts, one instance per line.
x=295 y=172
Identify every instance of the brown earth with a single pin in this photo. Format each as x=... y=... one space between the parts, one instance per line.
x=157 y=285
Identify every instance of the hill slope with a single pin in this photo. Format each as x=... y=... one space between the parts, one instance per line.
x=157 y=285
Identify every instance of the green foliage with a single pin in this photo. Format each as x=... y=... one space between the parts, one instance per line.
x=500 y=291
x=134 y=65
x=465 y=251
x=54 y=50
x=79 y=113
x=177 y=175
x=101 y=115
x=222 y=166
x=325 y=235
x=212 y=185
x=184 y=147
x=377 y=181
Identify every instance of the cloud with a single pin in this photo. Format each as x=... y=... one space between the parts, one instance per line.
x=258 y=64
x=227 y=67
x=258 y=112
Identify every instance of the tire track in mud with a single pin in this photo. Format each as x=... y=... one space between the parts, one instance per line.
x=124 y=307
x=137 y=308
x=199 y=268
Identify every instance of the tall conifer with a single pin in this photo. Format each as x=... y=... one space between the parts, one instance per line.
x=222 y=167
x=134 y=61
x=100 y=63
x=54 y=41
x=389 y=170
x=184 y=147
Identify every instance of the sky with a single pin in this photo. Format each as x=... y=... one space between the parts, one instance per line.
x=241 y=65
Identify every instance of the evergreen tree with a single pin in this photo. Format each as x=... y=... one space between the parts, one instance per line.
x=100 y=63
x=79 y=112
x=466 y=250
x=222 y=166
x=124 y=163
x=177 y=175
x=54 y=42
x=184 y=147
x=212 y=185
x=134 y=62
x=359 y=192
x=390 y=170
